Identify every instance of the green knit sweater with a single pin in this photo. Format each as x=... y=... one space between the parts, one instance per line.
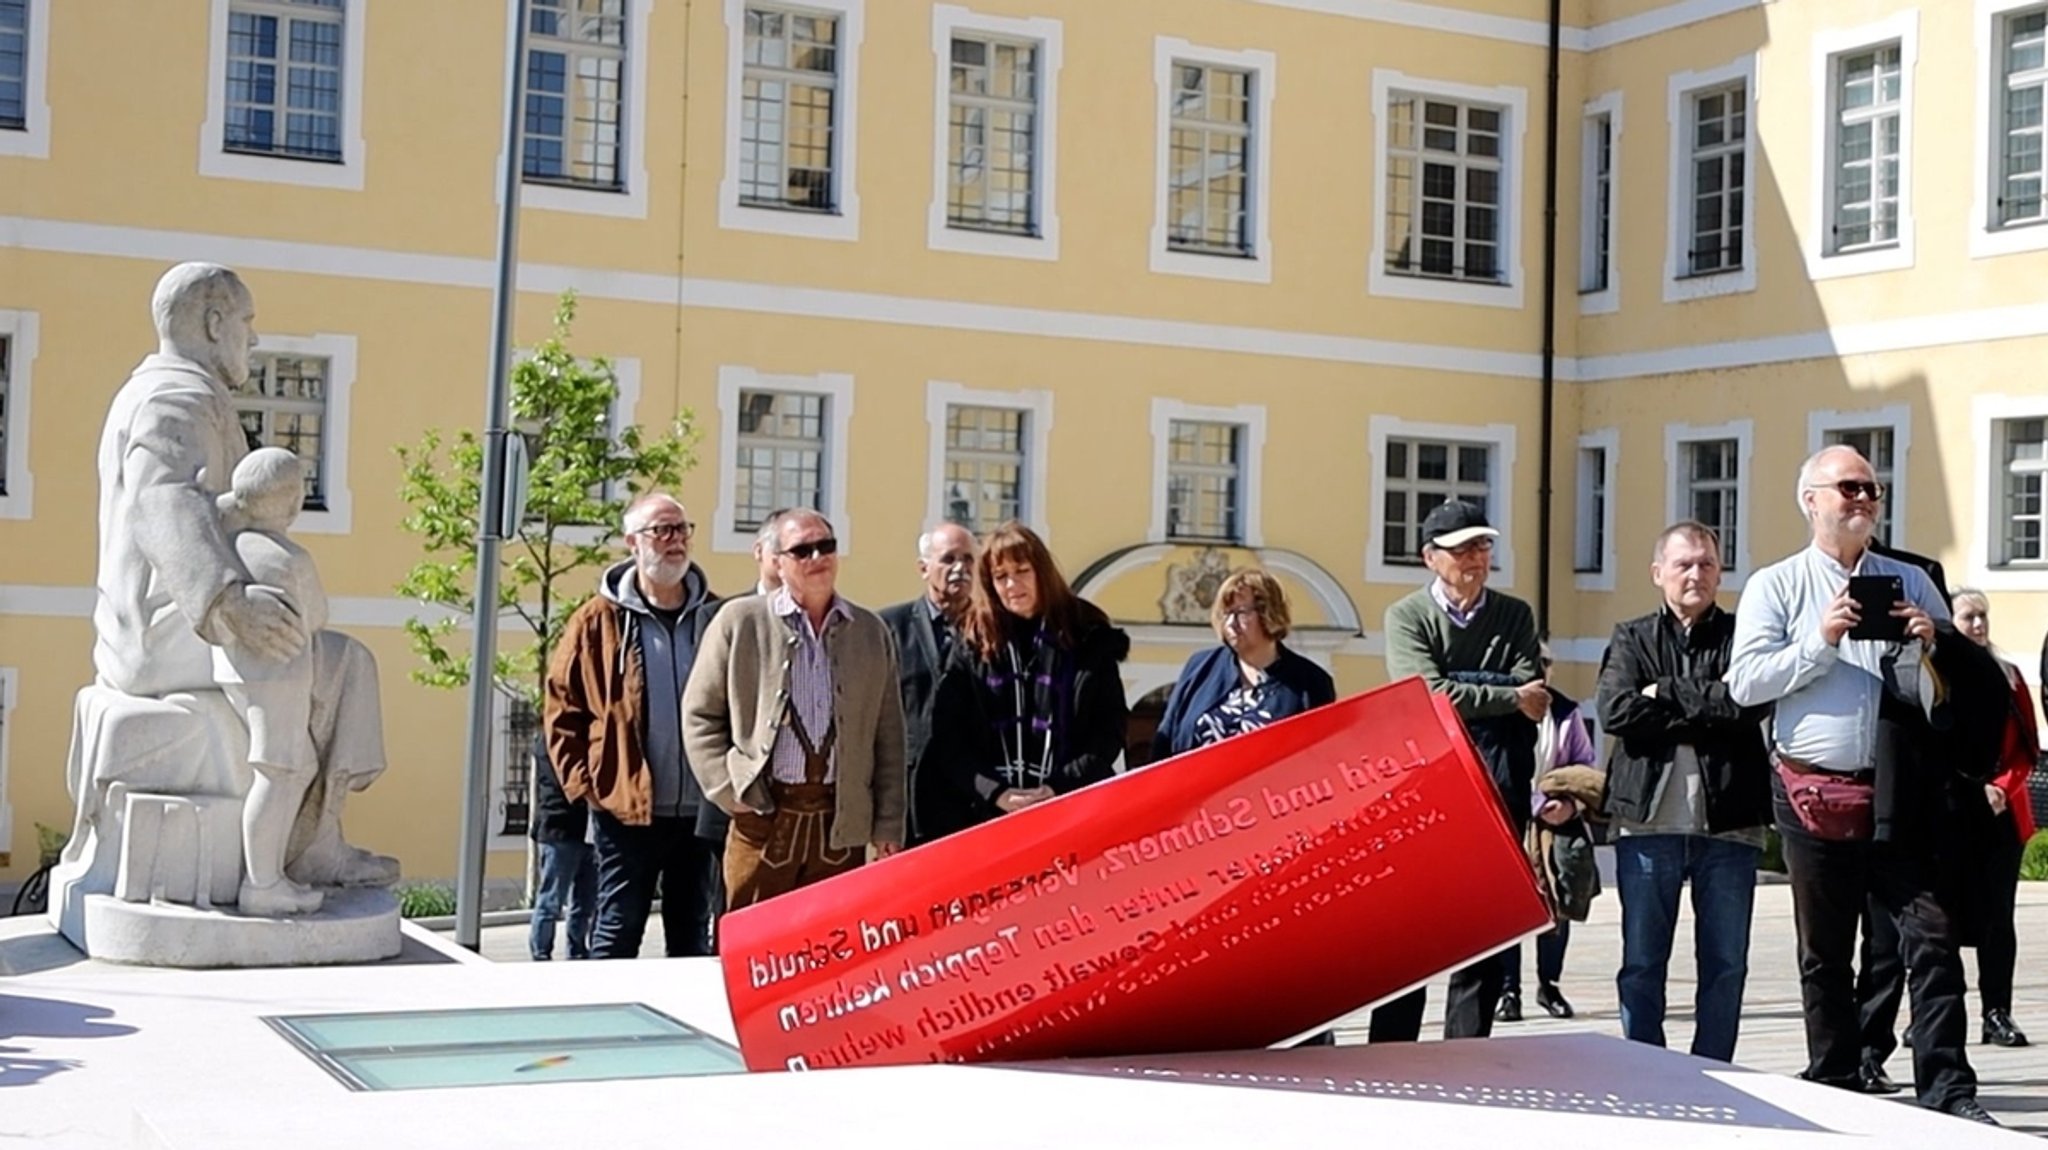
x=1421 y=640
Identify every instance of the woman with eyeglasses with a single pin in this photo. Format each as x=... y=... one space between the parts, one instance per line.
x=1250 y=681
x=1031 y=704
x=1992 y=858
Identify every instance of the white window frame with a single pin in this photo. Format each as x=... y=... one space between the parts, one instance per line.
x=32 y=140
x=1608 y=441
x=19 y=329
x=630 y=200
x=1499 y=437
x=1264 y=69
x=1251 y=420
x=1829 y=49
x=340 y=353
x=1680 y=286
x=1988 y=523
x=1989 y=238
x=1514 y=105
x=837 y=388
x=1896 y=418
x=1736 y=566
x=1607 y=109
x=1036 y=404
x=1047 y=35
x=216 y=161
x=843 y=223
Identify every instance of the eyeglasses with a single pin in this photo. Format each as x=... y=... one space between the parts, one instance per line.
x=815 y=548
x=1483 y=543
x=1852 y=488
x=668 y=531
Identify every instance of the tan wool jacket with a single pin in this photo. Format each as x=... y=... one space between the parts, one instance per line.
x=736 y=700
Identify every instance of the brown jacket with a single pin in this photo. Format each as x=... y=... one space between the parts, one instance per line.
x=736 y=700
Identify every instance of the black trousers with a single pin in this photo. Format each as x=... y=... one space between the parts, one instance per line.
x=1997 y=885
x=1469 y=1003
x=1880 y=983
x=632 y=862
x=1832 y=883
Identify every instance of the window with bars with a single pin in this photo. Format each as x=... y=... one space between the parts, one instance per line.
x=1209 y=160
x=284 y=78
x=6 y=383
x=1710 y=488
x=283 y=403
x=1419 y=475
x=1205 y=481
x=789 y=100
x=1590 y=543
x=984 y=465
x=780 y=456
x=14 y=64
x=2022 y=168
x=518 y=754
x=575 y=93
x=2022 y=490
x=1596 y=265
x=1718 y=123
x=992 y=137
x=1876 y=444
x=1444 y=179
x=1865 y=185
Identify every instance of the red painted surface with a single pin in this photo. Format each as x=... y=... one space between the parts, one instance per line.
x=1223 y=899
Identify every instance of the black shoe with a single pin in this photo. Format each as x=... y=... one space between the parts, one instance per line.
x=1969 y=1108
x=1876 y=1081
x=2000 y=1031
x=1510 y=1008
x=1552 y=1002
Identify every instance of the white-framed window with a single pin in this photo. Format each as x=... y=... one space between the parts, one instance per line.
x=24 y=67
x=1883 y=436
x=296 y=397
x=1415 y=467
x=784 y=443
x=997 y=106
x=17 y=359
x=1708 y=479
x=585 y=142
x=1600 y=203
x=1593 y=544
x=791 y=118
x=1713 y=194
x=285 y=99
x=1863 y=198
x=2012 y=134
x=1447 y=228
x=988 y=455
x=515 y=722
x=10 y=684
x=2008 y=549
x=1211 y=215
x=1206 y=465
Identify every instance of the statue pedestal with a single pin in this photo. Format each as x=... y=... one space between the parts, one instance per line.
x=351 y=926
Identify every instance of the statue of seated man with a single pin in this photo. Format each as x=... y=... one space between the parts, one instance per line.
x=174 y=589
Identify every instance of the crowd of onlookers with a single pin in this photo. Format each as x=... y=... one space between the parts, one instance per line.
x=720 y=752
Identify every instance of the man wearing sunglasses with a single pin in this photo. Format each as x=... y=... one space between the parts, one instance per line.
x=615 y=735
x=1848 y=720
x=794 y=724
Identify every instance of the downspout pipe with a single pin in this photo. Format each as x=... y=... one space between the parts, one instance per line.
x=1545 y=491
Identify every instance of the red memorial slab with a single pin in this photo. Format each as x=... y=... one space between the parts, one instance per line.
x=1228 y=898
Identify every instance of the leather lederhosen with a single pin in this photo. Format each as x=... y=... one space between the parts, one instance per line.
x=772 y=854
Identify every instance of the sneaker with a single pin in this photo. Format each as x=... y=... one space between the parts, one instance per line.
x=1970 y=1109
x=2000 y=1031
x=1552 y=1002
x=1510 y=1008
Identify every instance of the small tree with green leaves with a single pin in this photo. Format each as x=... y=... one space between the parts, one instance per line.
x=583 y=471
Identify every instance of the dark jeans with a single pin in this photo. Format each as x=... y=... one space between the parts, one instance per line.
x=631 y=861
x=1549 y=960
x=568 y=877
x=1998 y=889
x=1649 y=872
x=1831 y=884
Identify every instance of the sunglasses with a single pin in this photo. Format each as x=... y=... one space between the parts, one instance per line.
x=1852 y=489
x=667 y=531
x=806 y=551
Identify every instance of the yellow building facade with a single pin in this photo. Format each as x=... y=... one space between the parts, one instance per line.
x=1184 y=283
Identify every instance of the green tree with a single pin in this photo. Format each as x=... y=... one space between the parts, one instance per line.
x=583 y=471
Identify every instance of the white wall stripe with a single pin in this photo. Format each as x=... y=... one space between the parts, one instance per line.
x=1536 y=33
x=42 y=601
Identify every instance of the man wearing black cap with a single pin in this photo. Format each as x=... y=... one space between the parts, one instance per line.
x=1478 y=647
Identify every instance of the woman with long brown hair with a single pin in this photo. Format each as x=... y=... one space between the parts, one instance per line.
x=1031 y=704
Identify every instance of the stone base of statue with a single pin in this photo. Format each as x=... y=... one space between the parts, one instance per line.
x=351 y=926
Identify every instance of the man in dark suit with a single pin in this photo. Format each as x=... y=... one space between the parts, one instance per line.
x=924 y=631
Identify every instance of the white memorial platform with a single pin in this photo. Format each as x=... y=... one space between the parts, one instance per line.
x=102 y=1056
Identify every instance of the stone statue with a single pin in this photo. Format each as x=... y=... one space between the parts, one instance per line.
x=225 y=727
